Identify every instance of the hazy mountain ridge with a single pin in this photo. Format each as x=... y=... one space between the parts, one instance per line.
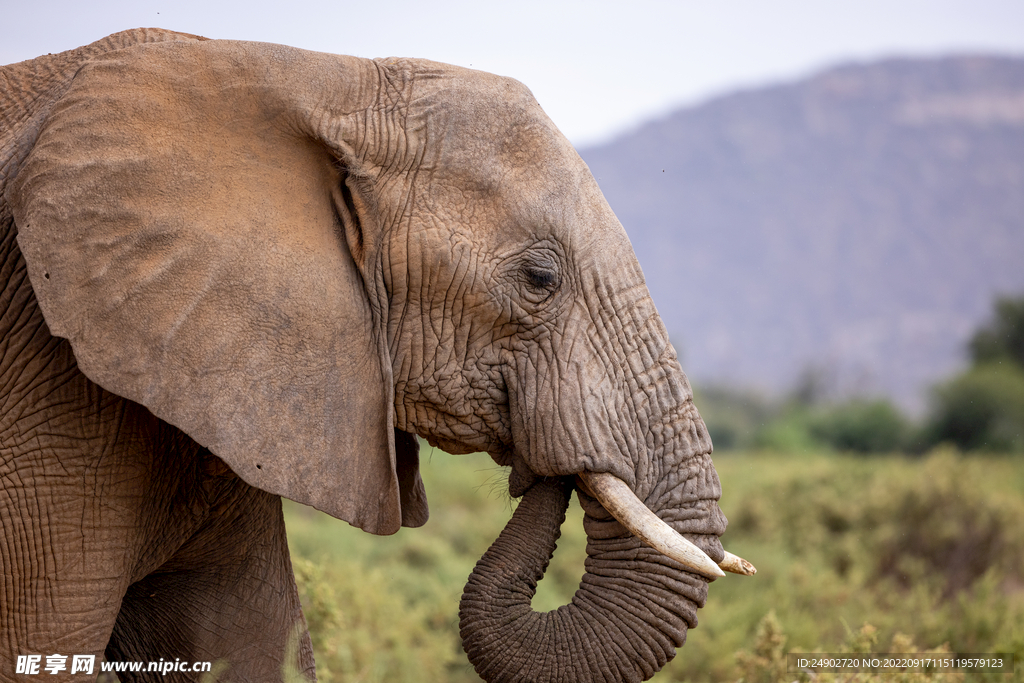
x=862 y=219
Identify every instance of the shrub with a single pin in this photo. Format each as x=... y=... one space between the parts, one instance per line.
x=1003 y=338
x=787 y=433
x=732 y=416
x=354 y=615
x=931 y=548
x=861 y=426
x=943 y=522
x=767 y=663
x=982 y=409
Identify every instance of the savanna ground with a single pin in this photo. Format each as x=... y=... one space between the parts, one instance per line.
x=854 y=554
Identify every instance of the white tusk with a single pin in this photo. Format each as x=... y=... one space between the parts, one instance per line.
x=737 y=565
x=623 y=505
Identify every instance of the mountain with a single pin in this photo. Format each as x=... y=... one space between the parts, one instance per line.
x=859 y=222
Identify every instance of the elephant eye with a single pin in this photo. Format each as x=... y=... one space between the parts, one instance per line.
x=541 y=278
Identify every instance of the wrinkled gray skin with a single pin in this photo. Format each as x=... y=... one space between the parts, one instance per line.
x=231 y=272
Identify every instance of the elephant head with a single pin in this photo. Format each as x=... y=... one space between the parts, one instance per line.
x=302 y=259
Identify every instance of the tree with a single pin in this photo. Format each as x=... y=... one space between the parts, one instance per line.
x=1003 y=338
x=983 y=408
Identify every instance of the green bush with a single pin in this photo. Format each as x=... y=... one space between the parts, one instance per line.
x=354 y=615
x=1003 y=338
x=737 y=420
x=789 y=432
x=859 y=425
x=931 y=548
x=767 y=662
x=982 y=409
x=733 y=417
x=862 y=426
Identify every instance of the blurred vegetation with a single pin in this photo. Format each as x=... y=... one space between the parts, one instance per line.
x=742 y=420
x=1003 y=338
x=767 y=662
x=929 y=548
x=980 y=409
x=928 y=551
x=385 y=608
x=855 y=552
x=983 y=407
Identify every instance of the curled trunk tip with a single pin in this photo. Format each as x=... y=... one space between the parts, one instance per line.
x=617 y=627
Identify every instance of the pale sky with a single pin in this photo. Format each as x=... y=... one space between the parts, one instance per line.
x=596 y=67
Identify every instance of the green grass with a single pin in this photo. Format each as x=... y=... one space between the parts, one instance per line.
x=929 y=552
x=385 y=608
x=926 y=549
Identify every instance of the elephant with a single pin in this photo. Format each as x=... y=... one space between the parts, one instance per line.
x=232 y=272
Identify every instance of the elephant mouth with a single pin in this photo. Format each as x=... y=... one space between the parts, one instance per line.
x=620 y=502
x=450 y=445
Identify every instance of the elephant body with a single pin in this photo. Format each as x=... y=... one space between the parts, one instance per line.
x=231 y=272
x=103 y=552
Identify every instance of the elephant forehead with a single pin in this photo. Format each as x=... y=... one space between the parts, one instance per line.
x=481 y=123
x=516 y=194
x=522 y=151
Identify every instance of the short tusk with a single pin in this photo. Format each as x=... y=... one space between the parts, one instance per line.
x=623 y=505
x=737 y=565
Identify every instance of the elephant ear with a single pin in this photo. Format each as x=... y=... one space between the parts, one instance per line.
x=179 y=231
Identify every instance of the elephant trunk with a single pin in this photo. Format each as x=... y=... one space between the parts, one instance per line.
x=625 y=622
